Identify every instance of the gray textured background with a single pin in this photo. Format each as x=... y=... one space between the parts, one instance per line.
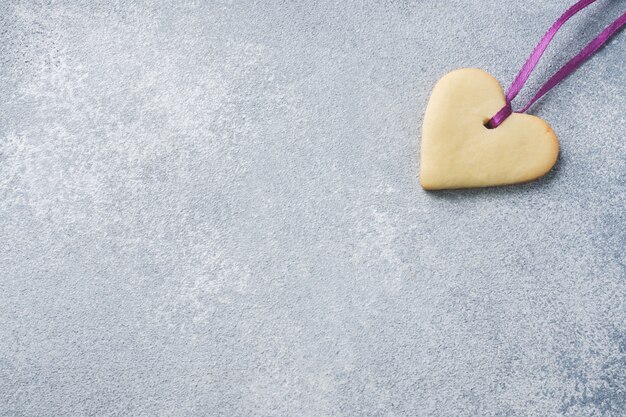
x=212 y=208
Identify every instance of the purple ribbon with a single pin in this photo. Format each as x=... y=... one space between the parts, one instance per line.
x=561 y=74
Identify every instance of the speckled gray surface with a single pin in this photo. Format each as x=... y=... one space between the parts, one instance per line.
x=212 y=208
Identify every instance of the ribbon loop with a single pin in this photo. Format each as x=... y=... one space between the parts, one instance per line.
x=562 y=73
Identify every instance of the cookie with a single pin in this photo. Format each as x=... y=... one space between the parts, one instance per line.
x=459 y=151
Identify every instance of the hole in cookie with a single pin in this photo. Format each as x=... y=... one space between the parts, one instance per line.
x=487 y=124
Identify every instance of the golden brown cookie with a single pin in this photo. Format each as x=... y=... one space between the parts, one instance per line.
x=458 y=151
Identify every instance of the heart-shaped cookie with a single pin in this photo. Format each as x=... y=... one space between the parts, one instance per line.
x=458 y=151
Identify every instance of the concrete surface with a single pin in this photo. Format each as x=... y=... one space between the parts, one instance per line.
x=211 y=208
